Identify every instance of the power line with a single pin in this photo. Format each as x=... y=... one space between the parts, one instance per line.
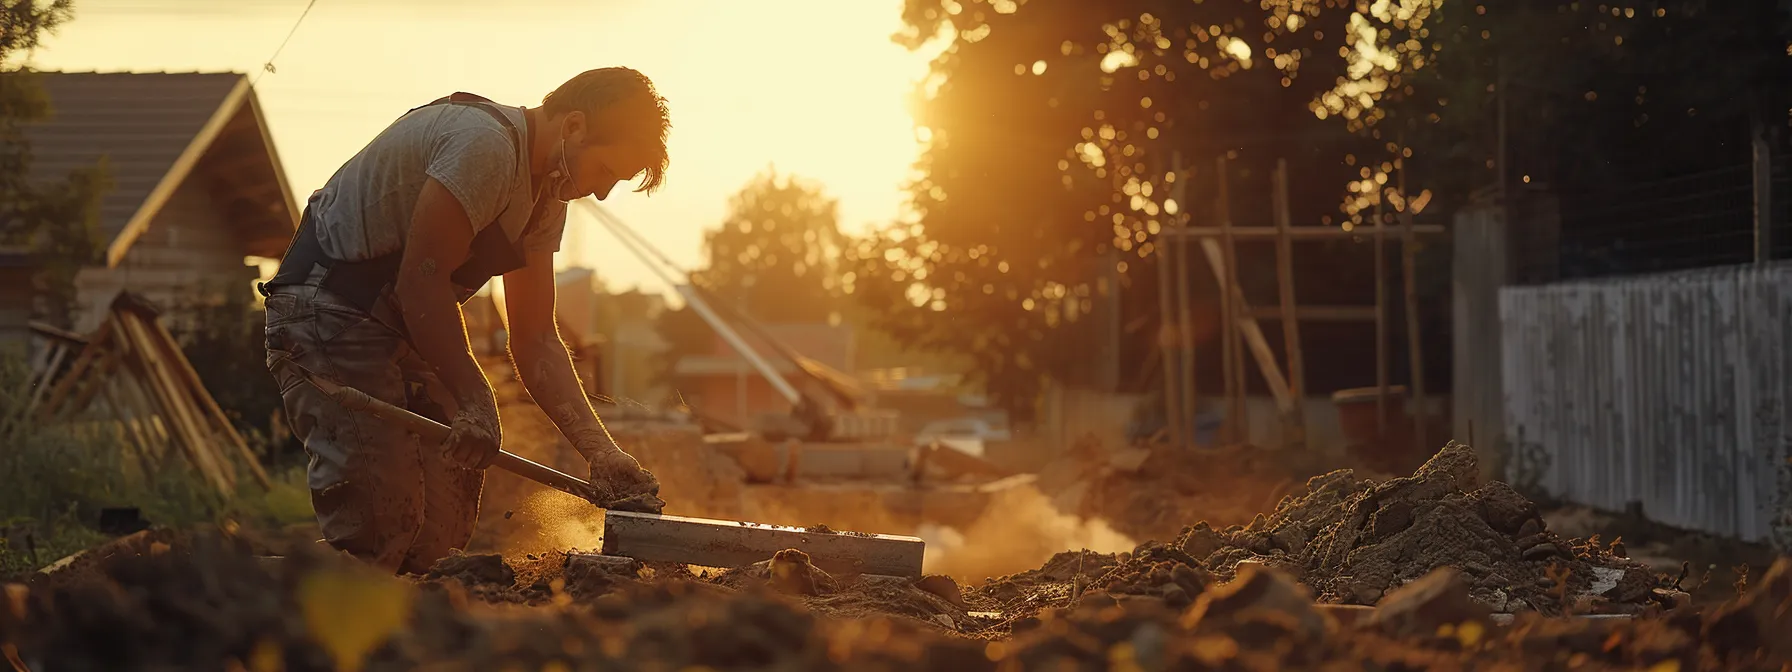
x=268 y=66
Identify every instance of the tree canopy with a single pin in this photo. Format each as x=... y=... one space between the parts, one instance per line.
x=775 y=254
x=1052 y=129
x=53 y=220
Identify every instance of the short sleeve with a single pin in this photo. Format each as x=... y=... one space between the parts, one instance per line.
x=477 y=164
x=545 y=233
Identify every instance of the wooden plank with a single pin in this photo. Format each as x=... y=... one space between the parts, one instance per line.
x=1381 y=328
x=1185 y=324
x=1251 y=331
x=1301 y=234
x=1297 y=377
x=1166 y=335
x=209 y=405
x=1762 y=165
x=1229 y=310
x=1414 y=349
x=64 y=385
x=107 y=366
x=1317 y=313
x=174 y=410
x=725 y=543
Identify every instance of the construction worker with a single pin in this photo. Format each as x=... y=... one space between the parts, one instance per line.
x=447 y=197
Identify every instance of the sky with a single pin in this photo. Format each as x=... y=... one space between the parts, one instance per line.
x=812 y=87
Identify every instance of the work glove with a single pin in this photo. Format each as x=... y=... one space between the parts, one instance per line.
x=473 y=439
x=617 y=474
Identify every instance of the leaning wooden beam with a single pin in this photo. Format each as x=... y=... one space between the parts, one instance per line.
x=193 y=441
x=1230 y=357
x=64 y=386
x=209 y=404
x=1298 y=233
x=1297 y=377
x=1251 y=331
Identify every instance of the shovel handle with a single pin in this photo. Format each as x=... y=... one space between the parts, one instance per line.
x=432 y=432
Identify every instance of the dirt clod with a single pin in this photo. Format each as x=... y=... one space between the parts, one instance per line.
x=480 y=569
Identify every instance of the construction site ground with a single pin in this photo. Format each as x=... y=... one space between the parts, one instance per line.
x=1134 y=561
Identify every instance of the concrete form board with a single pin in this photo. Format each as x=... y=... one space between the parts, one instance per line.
x=727 y=543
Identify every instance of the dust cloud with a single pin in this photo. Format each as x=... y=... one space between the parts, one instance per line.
x=548 y=520
x=1019 y=530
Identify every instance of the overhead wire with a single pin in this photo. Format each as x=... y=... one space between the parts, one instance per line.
x=268 y=66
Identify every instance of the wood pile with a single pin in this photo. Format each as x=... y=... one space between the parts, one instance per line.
x=130 y=377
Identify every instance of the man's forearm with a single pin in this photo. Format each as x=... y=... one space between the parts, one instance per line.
x=433 y=318
x=548 y=374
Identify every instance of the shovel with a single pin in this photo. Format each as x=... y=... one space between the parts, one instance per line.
x=435 y=433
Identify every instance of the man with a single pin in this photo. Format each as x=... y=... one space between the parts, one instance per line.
x=368 y=295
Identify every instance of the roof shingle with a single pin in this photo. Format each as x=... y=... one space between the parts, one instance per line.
x=140 y=121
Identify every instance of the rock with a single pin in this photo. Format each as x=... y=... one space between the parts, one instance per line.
x=588 y=574
x=943 y=586
x=1455 y=465
x=789 y=571
x=1417 y=608
x=1258 y=595
x=1671 y=599
x=474 y=569
x=1529 y=528
x=1504 y=509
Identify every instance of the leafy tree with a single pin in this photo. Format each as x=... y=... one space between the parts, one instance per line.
x=1052 y=127
x=776 y=255
x=55 y=220
x=776 y=252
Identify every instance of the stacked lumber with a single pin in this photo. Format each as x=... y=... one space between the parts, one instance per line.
x=130 y=375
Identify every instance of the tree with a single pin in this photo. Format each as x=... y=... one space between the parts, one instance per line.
x=775 y=255
x=54 y=219
x=1052 y=127
x=777 y=251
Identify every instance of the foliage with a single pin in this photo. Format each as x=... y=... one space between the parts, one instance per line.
x=58 y=478
x=227 y=346
x=776 y=255
x=1052 y=128
x=55 y=220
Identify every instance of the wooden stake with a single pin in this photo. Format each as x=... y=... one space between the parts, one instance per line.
x=1234 y=355
x=1184 y=324
x=1297 y=378
x=1166 y=345
x=1415 y=352
x=1381 y=329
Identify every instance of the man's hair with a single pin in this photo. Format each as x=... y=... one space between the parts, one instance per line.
x=597 y=90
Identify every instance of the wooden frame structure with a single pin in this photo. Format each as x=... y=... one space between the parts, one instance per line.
x=131 y=375
x=1241 y=329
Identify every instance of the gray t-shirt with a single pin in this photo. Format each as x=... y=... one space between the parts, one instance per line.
x=364 y=211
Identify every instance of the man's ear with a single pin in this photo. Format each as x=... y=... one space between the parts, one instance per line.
x=574 y=127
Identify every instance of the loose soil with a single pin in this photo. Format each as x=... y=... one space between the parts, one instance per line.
x=1438 y=549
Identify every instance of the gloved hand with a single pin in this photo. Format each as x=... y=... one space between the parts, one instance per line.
x=474 y=438
x=619 y=475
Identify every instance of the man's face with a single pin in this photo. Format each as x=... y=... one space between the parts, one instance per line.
x=596 y=169
x=597 y=161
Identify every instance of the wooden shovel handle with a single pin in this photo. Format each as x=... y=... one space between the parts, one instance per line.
x=435 y=433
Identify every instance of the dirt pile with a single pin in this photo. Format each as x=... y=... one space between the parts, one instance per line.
x=1150 y=493
x=1353 y=541
x=206 y=602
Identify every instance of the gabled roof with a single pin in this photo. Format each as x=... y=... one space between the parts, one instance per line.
x=157 y=129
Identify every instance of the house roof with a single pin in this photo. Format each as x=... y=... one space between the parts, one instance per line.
x=156 y=130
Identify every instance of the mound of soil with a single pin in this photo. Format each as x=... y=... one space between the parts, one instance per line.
x=205 y=602
x=1353 y=541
